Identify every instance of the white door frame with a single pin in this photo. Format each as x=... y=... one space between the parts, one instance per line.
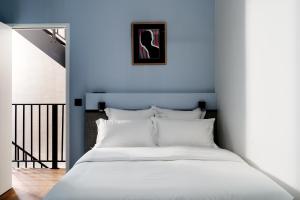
x=66 y=26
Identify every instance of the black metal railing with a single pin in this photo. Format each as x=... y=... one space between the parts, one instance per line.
x=39 y=136
x=55 y=33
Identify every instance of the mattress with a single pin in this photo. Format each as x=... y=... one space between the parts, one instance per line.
x=165 y=173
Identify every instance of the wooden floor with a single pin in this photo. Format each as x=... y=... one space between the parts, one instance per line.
x=32 y=184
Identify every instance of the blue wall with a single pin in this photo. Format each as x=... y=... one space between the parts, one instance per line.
x=101 y=46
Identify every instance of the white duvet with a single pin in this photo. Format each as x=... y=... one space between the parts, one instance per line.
x=164 y=173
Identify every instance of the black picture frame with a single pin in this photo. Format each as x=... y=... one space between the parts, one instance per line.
x=149 y=41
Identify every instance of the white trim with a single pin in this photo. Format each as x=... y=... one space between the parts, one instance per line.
x=39 y=26
x=67 y=66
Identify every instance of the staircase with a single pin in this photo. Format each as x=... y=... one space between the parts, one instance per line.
x=49 y=41
x=26 y=156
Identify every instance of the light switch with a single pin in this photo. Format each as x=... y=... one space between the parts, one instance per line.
x=78 y=102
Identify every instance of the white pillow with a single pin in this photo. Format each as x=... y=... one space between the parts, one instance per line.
x=178 y=114
x=125 y=133
x=119 y=114
x=185 y=132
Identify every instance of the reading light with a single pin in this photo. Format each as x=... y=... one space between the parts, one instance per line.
x=101 y=106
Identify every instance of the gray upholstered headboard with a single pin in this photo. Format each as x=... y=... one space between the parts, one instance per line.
x=180 y=101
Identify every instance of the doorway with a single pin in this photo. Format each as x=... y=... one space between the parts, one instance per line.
x=40 y=96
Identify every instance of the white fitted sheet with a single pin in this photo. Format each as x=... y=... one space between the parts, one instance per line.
x=164 y=173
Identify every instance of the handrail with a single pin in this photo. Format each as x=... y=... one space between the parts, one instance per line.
x=31 y=156
x=42 y=104
x=54 y=35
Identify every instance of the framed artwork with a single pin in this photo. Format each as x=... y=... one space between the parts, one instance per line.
x=149 y=43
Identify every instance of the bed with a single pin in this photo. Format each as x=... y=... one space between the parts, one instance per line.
x=161 y=173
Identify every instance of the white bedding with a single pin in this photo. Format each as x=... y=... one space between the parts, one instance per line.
x=164 y=173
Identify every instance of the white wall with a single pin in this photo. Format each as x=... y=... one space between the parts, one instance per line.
x=37 y=78
x=258 y=84
x=5 y=111
x=230 y=71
